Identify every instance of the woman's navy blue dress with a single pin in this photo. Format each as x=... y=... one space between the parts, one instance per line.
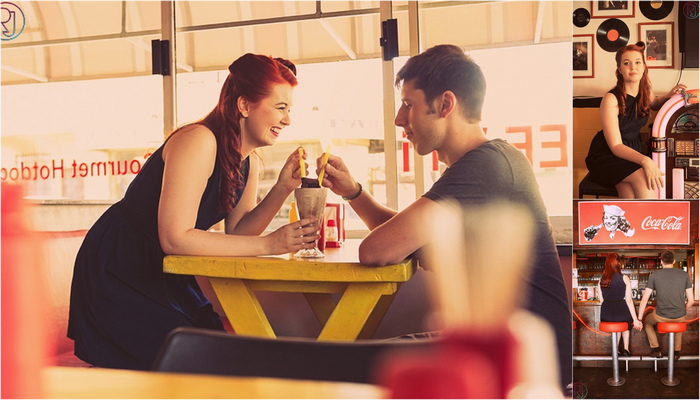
x=606 y=168
x=614 y=307
x=122 y=304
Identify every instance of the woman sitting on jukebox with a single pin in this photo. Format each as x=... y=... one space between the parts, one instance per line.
x=615 y=157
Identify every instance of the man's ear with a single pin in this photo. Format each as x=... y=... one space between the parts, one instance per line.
x=243 y=106
x=448 y=102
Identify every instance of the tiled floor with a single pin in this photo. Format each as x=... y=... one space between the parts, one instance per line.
x=641 y=383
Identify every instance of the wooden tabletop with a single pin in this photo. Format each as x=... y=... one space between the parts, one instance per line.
x=339 y=265
x=103 y=383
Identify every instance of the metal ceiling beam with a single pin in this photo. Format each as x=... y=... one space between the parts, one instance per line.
x=167 y=17
x=414 y=48
x=71 y=27
x=92 y=38
x=388 y=97
x=318 y=14
x=22 y=72
x=147 y=48
x=338 y=39
x=540 y=21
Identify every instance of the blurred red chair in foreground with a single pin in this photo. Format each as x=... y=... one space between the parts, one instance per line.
x=204 y=351
x=25 y=341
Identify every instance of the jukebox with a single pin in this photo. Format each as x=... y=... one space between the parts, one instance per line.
x=675 y=144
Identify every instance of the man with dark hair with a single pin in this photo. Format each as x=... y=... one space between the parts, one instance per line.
x=442 y=94
x=674 y=296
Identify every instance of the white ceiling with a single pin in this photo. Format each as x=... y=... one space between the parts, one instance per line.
x=74 y=40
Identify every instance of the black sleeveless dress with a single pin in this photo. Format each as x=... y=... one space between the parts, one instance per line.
x=614 y=307
x=122 y=304
x=605 y=168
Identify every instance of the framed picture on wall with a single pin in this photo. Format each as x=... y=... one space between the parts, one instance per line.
x=658 y=38
x=612 y=9
x=584 y=56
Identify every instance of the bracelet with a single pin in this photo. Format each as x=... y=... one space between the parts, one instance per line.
x=356 y=195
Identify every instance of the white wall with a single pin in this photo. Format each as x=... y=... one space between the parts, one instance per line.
x=662 y=80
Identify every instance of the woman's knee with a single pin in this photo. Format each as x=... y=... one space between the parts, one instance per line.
x=624 y=190
x=638 y=183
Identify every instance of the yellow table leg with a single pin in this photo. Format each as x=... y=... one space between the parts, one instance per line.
x=242 y=307
x=322 y=305
x=352 y=311
x=376 y=317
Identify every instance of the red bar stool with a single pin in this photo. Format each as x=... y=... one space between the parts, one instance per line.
x=614 y=328
x=671 y=328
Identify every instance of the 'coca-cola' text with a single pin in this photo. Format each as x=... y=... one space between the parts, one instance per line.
x=670 y=223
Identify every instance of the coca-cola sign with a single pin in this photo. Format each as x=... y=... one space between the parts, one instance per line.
x=671 y=223
x=633 y=222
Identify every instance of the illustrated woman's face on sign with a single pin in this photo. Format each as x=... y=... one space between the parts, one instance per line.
x=610 y=221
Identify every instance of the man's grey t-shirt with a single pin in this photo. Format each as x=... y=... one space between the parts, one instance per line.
x=497 y=171
x=670 y=285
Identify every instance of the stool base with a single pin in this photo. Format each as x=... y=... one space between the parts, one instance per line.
x=620 y=382
x=672 y=382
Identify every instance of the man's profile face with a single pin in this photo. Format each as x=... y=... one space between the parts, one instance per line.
x=417 y=119
x=610 y=221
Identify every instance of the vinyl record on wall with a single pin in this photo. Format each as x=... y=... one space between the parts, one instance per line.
x=612 y=34
x=581 y=17
x=656 y=10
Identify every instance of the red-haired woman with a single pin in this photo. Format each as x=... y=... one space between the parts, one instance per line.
x=122 y=304
x=615 y=157
x=615 y=293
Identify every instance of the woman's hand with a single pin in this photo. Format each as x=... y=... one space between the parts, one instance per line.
x=676 y=89
x=638 y=325
x=337 y=177
x=290 y=175
x=653 y=175
x=292 y=237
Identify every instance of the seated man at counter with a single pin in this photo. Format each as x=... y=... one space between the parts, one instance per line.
x=442 y=94
x=674 y=297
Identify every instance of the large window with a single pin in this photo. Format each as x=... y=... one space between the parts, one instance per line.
x=79 y=140
x=83 y=140
x=336 y=104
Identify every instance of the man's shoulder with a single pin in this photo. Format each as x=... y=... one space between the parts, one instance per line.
x=492 y=151
x=672 y=272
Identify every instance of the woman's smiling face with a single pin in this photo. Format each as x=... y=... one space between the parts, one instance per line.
x=265 y=119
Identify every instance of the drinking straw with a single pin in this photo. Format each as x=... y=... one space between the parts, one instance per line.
x=301 y=162
x=323 y=165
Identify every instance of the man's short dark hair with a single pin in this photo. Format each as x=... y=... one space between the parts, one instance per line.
x=667 y=257
x=446 y=67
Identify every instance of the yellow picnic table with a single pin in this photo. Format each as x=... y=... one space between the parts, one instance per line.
x=366 y=292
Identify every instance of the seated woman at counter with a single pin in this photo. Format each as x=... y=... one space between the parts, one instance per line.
x=615 y=293
x=615 y=157
x=122 y=303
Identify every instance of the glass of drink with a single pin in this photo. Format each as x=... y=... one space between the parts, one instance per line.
x=310 y=202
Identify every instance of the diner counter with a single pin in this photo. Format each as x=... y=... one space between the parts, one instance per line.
x=104 y=383
x=588 y=340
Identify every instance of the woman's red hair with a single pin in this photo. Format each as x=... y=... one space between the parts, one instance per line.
x=251 y=76
x=643 y=105
x=612 y=267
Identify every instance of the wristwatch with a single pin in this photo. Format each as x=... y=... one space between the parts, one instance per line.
x=356 y=195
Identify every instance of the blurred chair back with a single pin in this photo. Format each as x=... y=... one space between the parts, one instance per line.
x=203 y=351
